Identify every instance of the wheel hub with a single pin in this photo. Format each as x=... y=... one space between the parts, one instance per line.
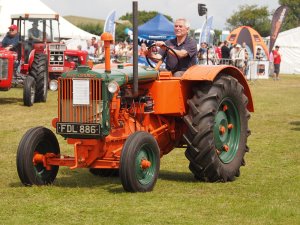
x=226 y=131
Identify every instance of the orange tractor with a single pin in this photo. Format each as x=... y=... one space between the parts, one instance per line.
x=123 y=120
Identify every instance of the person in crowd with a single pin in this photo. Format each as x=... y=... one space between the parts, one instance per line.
x=202 y=53
x=259 y=55
x=96 y=47
x=244 y=48
x=184 y=46
x=276 y=60
x=225 y=51
x=79 y=47
x=34 y=34
x=143 y=50
x=232 y=51
x=238 y=57
x=90 y=49
x=218 y=50
x=11 y=39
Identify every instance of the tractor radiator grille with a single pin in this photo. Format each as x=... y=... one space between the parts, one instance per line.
x=56 y=54
x=3 y=69
x=79 y=113
x=56 y=58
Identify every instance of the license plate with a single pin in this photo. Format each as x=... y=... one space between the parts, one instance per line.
x=57 y=68
x=78 y=128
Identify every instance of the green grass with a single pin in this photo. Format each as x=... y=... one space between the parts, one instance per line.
x=267 y=192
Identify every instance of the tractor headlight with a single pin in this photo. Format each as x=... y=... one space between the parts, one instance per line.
x=52 y=58
x=53 y=85
x=60 y=58
x=113 y=86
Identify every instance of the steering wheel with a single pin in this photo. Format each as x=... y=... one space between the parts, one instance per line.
x=152 y=48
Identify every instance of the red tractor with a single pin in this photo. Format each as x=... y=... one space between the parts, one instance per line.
x=123 y=120
x=39 y=62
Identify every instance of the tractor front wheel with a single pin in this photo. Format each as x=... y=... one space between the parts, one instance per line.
x=218 y=130
x=29 y=91
x=139 y=163
x=38 y=140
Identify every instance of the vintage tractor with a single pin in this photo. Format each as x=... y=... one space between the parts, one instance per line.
x=37 y=62
x=123 y=120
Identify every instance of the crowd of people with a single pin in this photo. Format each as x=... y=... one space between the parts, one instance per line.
x=222 y=53
x=120 y=51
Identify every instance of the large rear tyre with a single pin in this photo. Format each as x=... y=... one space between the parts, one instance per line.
x=29 y=91
x=39 y=71
x=140 y=161
x=217 y=130
x=36 y=140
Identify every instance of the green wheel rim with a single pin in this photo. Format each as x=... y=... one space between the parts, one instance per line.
x=227 y=130
x=145 y=176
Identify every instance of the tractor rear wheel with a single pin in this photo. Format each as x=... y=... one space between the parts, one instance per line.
x=29 y=91
x=217 y=130
x=139 y=163
x=39 y=71
x=36 y=140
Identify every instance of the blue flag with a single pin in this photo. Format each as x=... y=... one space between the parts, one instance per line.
x=205 y=33
x=109 y=25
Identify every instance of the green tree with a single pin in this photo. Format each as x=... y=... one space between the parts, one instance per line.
x=252 y=16
x=96 y=29
x=293 y=17
x=143 y=16
x=120 y=32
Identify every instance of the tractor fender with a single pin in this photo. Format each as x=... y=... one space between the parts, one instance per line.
x=211 y=72
x=31 y=58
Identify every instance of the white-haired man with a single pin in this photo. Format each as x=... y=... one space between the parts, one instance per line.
x=184 y=46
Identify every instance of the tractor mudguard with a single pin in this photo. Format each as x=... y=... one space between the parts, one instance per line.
x=31 y=58
x=210 y=73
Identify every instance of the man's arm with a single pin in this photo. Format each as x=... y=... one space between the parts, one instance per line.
x=180 y=53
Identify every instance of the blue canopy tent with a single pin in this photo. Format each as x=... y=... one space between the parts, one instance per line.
x=158 y=28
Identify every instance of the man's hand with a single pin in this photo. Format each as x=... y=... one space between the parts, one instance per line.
x=9 y=47
x=160 y=44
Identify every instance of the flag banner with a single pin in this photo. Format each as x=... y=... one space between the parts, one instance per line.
x=277 y=21
x=109 y=25
x=205 y=33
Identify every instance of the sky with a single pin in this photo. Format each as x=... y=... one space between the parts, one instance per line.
x=99 y=9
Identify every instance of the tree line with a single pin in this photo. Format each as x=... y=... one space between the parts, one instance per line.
x=254 y=16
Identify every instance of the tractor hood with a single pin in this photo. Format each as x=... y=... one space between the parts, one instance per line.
x=122 y=74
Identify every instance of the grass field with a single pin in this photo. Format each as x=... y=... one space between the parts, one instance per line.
x=267 y=192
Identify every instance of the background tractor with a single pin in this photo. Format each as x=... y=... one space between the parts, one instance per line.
x=37 y=62
x=123 y=120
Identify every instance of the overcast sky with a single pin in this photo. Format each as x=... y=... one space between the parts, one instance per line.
x=99 y=9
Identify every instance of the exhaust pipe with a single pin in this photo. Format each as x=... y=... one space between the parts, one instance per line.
x=135 y=48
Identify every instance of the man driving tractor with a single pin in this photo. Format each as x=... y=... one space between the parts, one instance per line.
x=184 y=47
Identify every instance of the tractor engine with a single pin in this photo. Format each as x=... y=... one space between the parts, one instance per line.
x=7 y=67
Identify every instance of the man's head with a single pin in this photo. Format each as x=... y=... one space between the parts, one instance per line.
x=238 y=46
x=35 y=24
x=258 y=49
x=93 y=39
x=277 y=47
x=181 y=27
x=13 y=30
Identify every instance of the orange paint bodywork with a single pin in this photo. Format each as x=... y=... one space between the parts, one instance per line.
x=164 y=121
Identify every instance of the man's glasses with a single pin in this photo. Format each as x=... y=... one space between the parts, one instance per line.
x=180 y=26
x=11 y=29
